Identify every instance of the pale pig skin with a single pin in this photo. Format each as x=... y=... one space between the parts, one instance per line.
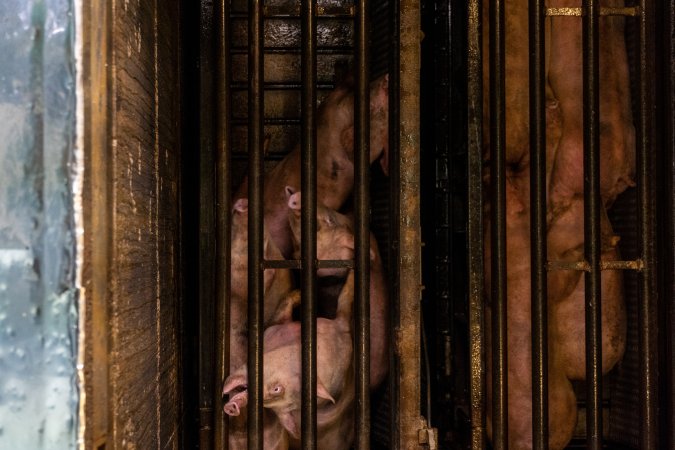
x=335 y=240
x=335 y=158
x=277 y=284
x=282 y=373
x=565 y=237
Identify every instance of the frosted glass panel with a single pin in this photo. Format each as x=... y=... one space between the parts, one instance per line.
x=38 y=316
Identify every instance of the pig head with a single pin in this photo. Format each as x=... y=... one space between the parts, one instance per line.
x=335 y=157
x=282 y=375
x=335 y=240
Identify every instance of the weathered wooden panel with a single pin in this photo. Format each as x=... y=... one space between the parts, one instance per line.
x=132 y=128
x=167 y=165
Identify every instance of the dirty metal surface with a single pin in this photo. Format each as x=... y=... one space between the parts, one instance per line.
x=407 y=344
x=131 y=116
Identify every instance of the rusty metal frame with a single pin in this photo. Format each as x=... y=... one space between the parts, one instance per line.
x=408 y=328
x=476 y=263
x=644 y=265
x=97 y=80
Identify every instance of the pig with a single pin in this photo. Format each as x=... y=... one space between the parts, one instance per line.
x=565 y=236
x=335 y=240
x=282 y=373
x=277 y=284
x=335 y=158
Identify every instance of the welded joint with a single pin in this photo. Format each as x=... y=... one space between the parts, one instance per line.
x=628 y=11
x=428 y=436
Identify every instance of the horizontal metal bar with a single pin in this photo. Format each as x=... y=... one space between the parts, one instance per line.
x=583 y=266
x=270 y=121
x=243 y=86
x=297 y=264
x=276 y=50
x=243 y=156
x=629 y=11
x=344 y=14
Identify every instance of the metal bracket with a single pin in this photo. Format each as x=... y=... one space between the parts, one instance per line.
x=428 y=437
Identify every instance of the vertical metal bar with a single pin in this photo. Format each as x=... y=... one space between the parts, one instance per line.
x=592 y=205
x=255 y=223
x=223 y=194
x=475 y=226
x=498 y=224
x=646 y=230
x=410 y=292
x=308 y=238
x=538 y=225
x=206 y=211
x=362 y=231
x=394 y=229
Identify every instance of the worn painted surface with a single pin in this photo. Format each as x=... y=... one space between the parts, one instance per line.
x=408 y=349
x=131 y=223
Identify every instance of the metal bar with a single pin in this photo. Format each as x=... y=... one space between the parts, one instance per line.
x=394 y=217
x=296 y=15
x=647 y=343
x=297 y=264
x=628 y=11
x=498 y=224
x=584 y=266
x=206 y=277
x=538 y=258
x=289 y=86
x=409 y=228
x=255 y=224
x=592 y=205
x=323 y=50
x=475 y=227
x=308 y=229
x=223 y=208
x=362 y=231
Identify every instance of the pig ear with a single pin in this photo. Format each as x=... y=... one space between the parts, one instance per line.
x=289 y=191
x=295 y=201
x=234 y=381
x=288 y=422
x=322 y=392
x=240 y=205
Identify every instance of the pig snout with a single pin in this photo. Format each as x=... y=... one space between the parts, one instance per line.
x=238 y=401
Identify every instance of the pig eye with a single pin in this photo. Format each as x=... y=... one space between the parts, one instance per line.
x=277 y=390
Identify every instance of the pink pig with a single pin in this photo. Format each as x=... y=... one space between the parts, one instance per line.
x=335 y=157
x=335 y=240
x=282 y=373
